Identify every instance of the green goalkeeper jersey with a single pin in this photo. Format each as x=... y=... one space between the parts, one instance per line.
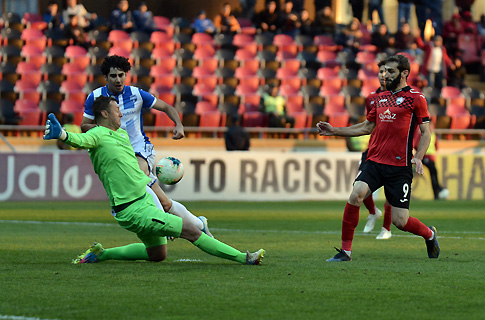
x=114 y=162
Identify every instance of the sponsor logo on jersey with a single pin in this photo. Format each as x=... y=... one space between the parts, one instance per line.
x=387 y=116
x=399 y=100
x=383 y=100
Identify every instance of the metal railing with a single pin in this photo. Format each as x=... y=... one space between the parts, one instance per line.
x=303 y=133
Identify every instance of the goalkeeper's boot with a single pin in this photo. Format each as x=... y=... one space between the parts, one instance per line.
x=340 y=256
x=384 y=235
x=371 y=220
x=91 y=255
x=255 y=257
x=432 y=245
x=205 y=228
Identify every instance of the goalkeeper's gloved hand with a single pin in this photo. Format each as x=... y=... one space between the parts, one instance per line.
x=53 y=129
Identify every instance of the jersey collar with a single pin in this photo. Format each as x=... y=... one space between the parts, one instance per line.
x=113 y=94
x=406 y=88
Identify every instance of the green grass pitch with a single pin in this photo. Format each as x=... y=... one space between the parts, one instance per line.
x=388 y=279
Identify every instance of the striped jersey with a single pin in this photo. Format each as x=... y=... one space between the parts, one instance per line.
x=131 y=102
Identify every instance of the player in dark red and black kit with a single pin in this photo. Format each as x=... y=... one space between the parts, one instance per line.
x=392 y=122
x=374 y=212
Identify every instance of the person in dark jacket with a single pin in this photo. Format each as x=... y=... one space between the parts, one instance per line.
x=236 y=137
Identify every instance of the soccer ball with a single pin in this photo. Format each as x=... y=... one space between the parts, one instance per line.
x=169 y=170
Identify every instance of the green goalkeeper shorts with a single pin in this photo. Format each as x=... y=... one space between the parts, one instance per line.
x=150 y=224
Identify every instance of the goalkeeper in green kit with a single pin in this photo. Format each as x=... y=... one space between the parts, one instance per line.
x=134 y=209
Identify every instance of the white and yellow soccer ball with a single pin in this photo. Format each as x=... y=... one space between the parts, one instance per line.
x=169 y=170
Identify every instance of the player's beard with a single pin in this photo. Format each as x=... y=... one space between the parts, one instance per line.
x=391 y=86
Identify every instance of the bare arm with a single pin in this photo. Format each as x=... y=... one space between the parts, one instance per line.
x=422 y=147
x=360 y=129
x=87 y=124
x=178 y=131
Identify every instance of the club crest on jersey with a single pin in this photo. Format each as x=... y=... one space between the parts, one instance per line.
x=399 y=100
x=387 y=116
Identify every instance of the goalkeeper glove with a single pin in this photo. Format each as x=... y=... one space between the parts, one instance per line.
x=53 y=129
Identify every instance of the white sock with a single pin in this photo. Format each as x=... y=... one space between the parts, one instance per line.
x=181 y=211
x=350 y=252
x=432 y=235
x=155 y=198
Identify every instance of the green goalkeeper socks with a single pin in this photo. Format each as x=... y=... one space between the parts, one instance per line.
x=134 y=251
x=216 y=248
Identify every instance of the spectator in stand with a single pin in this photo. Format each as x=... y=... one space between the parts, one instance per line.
x=52 y=16
x=203 y=24
x=298 y=5
x=121 y=18
x=143 y=19
x=226 y=22
x=464 y=5
x=381 y=38
x=406 y=41
x=403 y=12
x=451 y=30
x=307 y=27
x=469 y=26
x=321 y=4
x=274 y=107
x=435 y=62
x=86 y=20
x=247 y=8
x=351 y=37
x=376 y=5
x=268 y=20
x=75 y=33
x=421 y=10
x=69 y=126
x=325 y=21
x=481 y=26
x=435 y=8
x=289 y=18
x=456 y=74
x=236 y=137
x=357 y=8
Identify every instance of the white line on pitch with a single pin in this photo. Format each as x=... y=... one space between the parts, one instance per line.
x=97 y=224
x=9 y=317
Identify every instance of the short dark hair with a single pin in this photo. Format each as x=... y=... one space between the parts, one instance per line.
x=382 y=63
x=101 y=103
x=116 y=62
x=402 y=62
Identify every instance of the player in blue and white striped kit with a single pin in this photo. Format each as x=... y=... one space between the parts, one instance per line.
x=132 y=101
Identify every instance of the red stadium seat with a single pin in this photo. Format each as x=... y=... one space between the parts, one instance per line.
x=75 y=51
x=202 y=39
x=339 y=120
x=329 y=90
x=200 y=72
x=34 y=37
x=324 y=42
x=204 y=88
x=242 y=40
x=30 y=117
x=22 y=105
x=254 y=119
x=205 y=106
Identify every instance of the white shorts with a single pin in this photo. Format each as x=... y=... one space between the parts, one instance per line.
x=149 y=155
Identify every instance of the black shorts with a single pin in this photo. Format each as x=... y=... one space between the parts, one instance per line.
x=396 y=181
x=363 y=159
